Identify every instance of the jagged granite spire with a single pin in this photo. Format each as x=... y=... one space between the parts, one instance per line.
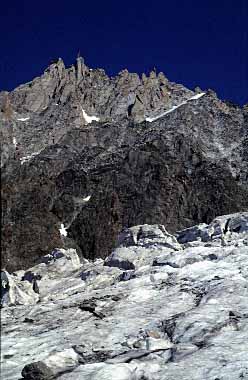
x=80 y=68
x=57 y=100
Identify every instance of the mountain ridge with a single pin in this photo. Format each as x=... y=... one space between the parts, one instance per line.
x=178 y=159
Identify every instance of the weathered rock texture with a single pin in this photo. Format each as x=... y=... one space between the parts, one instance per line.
x=41 y=111
x=179 y=313
x=96 y=154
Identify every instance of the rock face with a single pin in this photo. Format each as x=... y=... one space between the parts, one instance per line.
x=63 y=99
x=85 y=156
x=181 y=314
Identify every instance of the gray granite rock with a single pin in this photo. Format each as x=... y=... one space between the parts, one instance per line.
x=111 y=153
x=182 y=321
x=37 y=371
x=62 y=98
x=121 y=259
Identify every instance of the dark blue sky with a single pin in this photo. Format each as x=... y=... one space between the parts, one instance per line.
x=194 y=42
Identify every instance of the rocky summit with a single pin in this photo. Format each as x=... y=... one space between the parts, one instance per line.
x=124 y=229
x=85 y=155
x=159 y=307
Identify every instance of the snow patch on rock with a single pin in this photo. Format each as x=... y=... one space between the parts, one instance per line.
x=195 y=97
x=14 y=142
x=88 y=118
x=62 y=230
x=29 y=157
x=86 y=199
x=23 y=118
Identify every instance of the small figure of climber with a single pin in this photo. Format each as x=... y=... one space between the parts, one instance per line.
x=35 y=286
x=32 y=278
x=144 y=335
x=4 y=285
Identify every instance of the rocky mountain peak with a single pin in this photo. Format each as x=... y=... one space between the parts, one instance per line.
x=124 y=229
x=67 y=95
x=143 y=149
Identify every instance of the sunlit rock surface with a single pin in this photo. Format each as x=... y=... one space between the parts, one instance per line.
x=180 y=312
x=85 y=155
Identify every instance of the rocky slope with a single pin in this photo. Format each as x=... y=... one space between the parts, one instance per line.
x=85 y=155
x=159 y=307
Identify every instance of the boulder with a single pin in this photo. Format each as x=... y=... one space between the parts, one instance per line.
x=57 y=263
x=122 y=258
x=146 y=235
x=114 y=372
x=51 y=367
x=220 y=228
x=37 y=371
x=16 y=292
